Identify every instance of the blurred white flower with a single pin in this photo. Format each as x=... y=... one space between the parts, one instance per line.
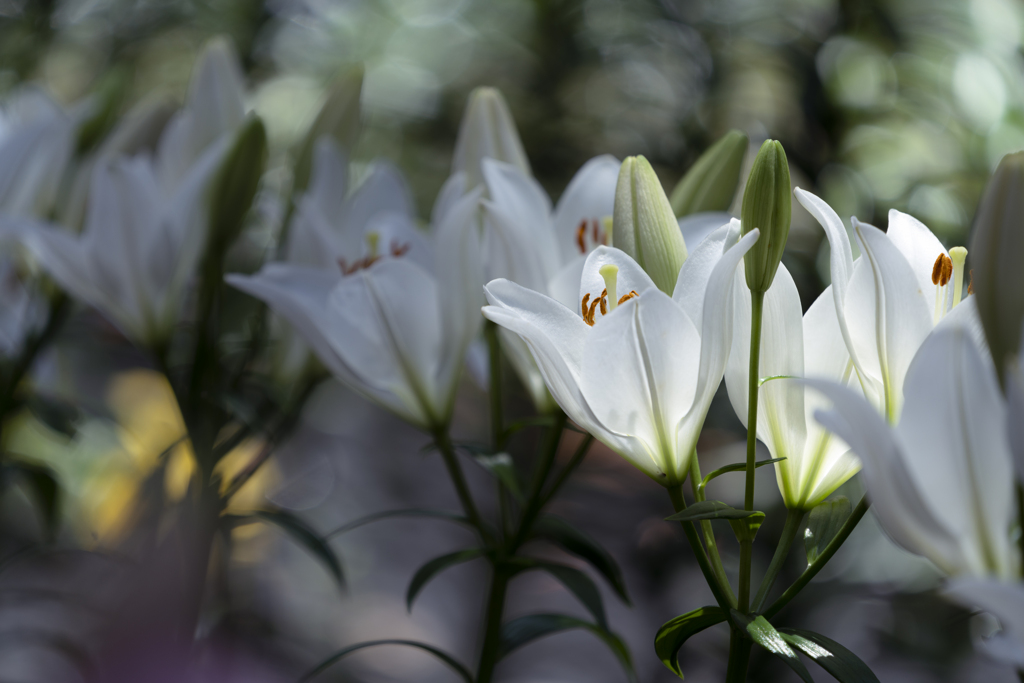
x=891 y=297
x=631 y=365
x=487 y=131
x=22 y=308
x=940 y=482
x=395 y=324
x=146 y=222
x=792 y=345
x=1003 y=600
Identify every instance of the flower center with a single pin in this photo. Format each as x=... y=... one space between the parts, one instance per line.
x=607 y=301
x=948 y=268
x=592 y=233
x=396 y=249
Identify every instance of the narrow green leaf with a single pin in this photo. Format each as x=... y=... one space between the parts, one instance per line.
x=519 y=632
x=303 y=534
x=409 y=512
x=339 y=119
x=674 y=632
x=436 y=566
x=572 y=540
x=501 y=466
x=711 y=509
x=452 y=663
x=577 y=582
x=765 y=635
x=42 y=482
x=747 y=527
x=735 y=467
x=823 y=524
x=844 y=666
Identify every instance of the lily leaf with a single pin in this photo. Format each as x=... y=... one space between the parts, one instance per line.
x=452 y=663
x=711 y=509
x=582 y=545
x=735 y=467
x=501 y=466
x=844 y=666
x=409 y=512
x=765 y=635
x=436 y=566
x=42 y=482
x=300 y=532
x=746 y=528
x=674 y=632
x=523 y=630
x=577 y=582
x=823 y=524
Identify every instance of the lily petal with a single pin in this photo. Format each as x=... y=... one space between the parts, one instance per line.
x=590 y=195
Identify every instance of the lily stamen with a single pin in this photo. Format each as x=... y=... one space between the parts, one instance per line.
x=941 y=273
x=598 y=235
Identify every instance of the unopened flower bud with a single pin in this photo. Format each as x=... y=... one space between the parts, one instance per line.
x=644 y=225
x=487 y=131
x=997 y=255
x=767 y=205
x=338 y=119
x=711 y=182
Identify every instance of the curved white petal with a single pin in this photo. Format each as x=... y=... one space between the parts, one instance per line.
x=954 y=441
x=328 y=186
x=696 y=271
x=630 y=277
x=696 y=227
x=919 y=247
x=897 y=501
x=590 y=195
x=383 y=191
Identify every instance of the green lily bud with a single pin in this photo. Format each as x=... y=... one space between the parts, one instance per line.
x=338 y=118
x=767 y=205
x=644 y=225
x=997 y=251
x=711 y=182
x=234 y=187
x=487 y=131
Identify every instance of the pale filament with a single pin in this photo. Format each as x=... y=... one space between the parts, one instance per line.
x=945 y=269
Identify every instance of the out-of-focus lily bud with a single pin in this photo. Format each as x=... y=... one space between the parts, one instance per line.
x=711 y=182
x=487 y=131
x=997 y=252
x=644 y=226
x=339 y=118
x=767 y=205
x=234 y=187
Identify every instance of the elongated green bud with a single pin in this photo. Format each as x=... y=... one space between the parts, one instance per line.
x=644 y=225
x=997 y=257
x=711 y=182
x=487 y=131
x=767 y=205
x=338 y=118
x=234 y=187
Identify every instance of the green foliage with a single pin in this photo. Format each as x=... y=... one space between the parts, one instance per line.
x=674 y=632
x=574 y=541
x=452 y=663
x=711 y=182
x=519 y=632
x=823 y=524
x=434 y=567
x=844 y=666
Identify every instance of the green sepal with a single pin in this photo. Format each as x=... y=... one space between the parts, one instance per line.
x=674 y=632
x=843 y=665
x=757 y=628
x=711 y=182
x=519 y=632
x=435 y=567
x=823 y=523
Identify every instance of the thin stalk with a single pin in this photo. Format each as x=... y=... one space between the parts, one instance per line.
x=540 y=475
x=492 y=626
x=1020 y=519
x=451 y=461
x=826 y=555
x=574 y=462
x=709 y=532
x=794 y=518
x=739 y=657
x=494 y=358
x=746 y=546
x=722 y=595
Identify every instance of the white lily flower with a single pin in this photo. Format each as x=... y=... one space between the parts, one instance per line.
x=891 y=298
x=487 y=131
x=792 y=345
x=395 y=328
x=146 y=222
x=940 y=482
x=334 y=228
x=637 y=371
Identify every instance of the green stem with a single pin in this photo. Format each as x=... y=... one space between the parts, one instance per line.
x=1020 y=519
x=540 y=475
x=739 y=657
x=746 y=546
x=709 y=532
x=494 y=357
x=451 y=461
x=492 y=626
x=814 y=567
x=794 y=518
x=574 y=462
x=722 y=595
